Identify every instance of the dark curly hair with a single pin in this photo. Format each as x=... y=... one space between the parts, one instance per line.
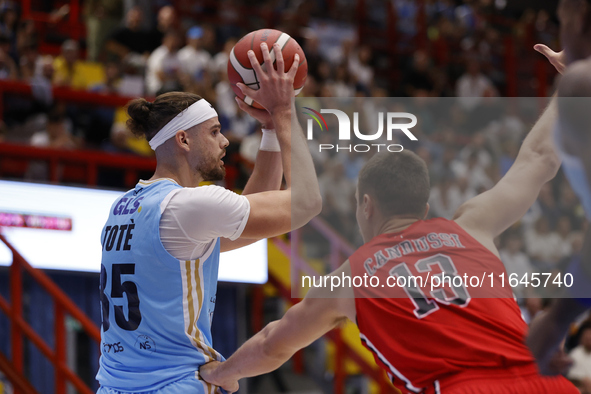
x=147 y=118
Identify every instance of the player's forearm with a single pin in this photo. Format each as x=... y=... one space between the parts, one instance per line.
x=255 y=357
x=538 y=147
x=301 y=177
x=267 y=173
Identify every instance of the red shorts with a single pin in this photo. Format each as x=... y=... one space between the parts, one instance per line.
x=515 y=380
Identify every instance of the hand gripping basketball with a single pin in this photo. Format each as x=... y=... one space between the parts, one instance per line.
x=276 y=86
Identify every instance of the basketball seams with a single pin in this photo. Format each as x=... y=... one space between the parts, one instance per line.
x=237 y=60
x=248 y=76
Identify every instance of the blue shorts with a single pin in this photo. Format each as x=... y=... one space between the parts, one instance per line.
x=189 y=385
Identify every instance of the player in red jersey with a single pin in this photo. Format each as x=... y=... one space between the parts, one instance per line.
x=454 y=339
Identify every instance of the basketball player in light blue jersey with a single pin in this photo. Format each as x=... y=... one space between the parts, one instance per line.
x=162 y=240
x=573 y=142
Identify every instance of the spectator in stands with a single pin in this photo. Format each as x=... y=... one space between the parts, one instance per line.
x=580 y=372
x=546 y=29
x=473 y=86
x=467 y=15
x=163 y=70
x=442 y=163
x=532 y=306
x=474 y=171
x=406 y=12
x=515 y=260
x=336 y=188
x=544 y=246
x=236 y=128
x=547 y=203
x=56 y=134
x=194 y=60
x=419 y=79
x=112 y=80
x=352 y=163
x=569 y=205
x=66 y=65
x=102 y=18
x=219 y=63
x=28 y=61
x=312 y=50
x=26 y=35
x=8 y=26
x=8 y=68
x=342 y=85
x=166 y=23
x=360 y=69
x=567 y=236
x=445 y=198
x=209 y=40
x=131 y=42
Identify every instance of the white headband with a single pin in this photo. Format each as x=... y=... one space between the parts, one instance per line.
x=196 y=113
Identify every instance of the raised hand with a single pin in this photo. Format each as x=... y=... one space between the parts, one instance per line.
x=557 y=59
x=276 y=86
x=210 y=373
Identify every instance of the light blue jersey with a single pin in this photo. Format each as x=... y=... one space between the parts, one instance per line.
x=156 y=310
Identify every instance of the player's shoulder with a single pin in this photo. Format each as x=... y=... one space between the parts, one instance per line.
x=207 y=191
x=207 y=197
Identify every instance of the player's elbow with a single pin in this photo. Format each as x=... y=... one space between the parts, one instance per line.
x=272 y=347
x=306 y=208
x=543 y=158
x=315 y=205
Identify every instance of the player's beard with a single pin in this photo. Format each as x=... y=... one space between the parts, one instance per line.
x=211 y=170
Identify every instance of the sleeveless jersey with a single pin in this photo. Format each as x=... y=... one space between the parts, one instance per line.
x=156 y=310
x=420 y=334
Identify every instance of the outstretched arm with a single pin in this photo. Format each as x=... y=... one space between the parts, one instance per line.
x=278 y=341
x=547 y=331
x=492 y=212
x=277 y=212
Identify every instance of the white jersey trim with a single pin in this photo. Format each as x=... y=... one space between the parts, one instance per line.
x=396 y=372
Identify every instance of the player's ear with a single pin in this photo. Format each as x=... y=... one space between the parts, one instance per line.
x=427 y=207
x=182 y=139
x=368 y=206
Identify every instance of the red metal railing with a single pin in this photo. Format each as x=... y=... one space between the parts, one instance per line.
x=19 y=329
x=84 y=164
x=62 y=93
x=71 y=26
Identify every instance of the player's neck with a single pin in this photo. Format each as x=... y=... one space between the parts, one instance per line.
x=395 y=225
x=182 y=176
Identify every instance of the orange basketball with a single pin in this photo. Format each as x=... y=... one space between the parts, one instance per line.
x=240 y=69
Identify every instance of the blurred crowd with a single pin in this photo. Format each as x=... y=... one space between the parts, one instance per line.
x=400 y=48
x=146 y=48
